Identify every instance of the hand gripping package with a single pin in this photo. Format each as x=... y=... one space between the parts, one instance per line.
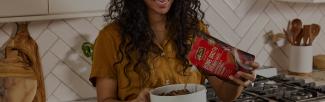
x=215 y=57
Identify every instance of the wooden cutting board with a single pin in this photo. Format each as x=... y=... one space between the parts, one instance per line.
x=21 y=77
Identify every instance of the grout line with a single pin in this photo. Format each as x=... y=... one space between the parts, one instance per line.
x=102 y=26
x=56 y=40
x=69 y=66
x=92 y=18
x=270 y=56
x=62 y=82
x=250 y=28
x=79 y=33
x=244 y=16
x=56 y=97
x=7 y=33
x=71 y=47
x=228 y=24
x=56 y=64
x=42 y=32
x=56 y=86
x=262 y=34
x=233 y=11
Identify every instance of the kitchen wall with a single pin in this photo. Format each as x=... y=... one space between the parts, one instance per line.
x=241 y=23
x=66 y=70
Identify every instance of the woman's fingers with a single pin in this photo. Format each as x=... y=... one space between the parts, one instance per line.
x=254 y=65
x=237 y=81
x=247 y=76
x=244 y=79
x=240 y=82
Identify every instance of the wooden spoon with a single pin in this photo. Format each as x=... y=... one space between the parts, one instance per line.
x=306 y=35
x=288 y=33
x=300 y=36
x=315 y=29
x=296 y=28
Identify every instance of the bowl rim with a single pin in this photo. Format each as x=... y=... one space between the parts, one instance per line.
x=201 y=88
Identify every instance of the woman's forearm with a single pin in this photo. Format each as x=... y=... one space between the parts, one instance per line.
x=229 y=91
x=225 y=91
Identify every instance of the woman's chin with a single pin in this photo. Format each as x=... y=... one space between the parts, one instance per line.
x=161 y=11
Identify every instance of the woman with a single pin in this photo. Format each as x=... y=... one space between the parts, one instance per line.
x=145 y=47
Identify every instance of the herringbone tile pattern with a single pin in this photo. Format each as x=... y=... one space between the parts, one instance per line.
x=241 y=23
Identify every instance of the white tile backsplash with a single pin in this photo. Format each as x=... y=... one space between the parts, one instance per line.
x=51 y=84
x=73 y=81
x=233 y=3
x=253 y=32
x=250 y=17
x=204 y=5
x=45 y=41
x=227 y=13
x=36 y=28
x=65 y=94
x=9 y=28
x=244 y=7
x=262 y=56
x=52 y=98
x=276 y=16
x=61 y=49
x=257 y=47
x=241 y=23
x=49 y=61
x=67 y=34
x=84 y=28
x=99 y=22
x=286 y=11
x=215 y=21
x=3 y=38
x=72 y=59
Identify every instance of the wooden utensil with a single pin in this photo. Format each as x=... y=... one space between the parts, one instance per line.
x=300 y=37
x=288 y=34
x=306 y=35
x=296 y=28
x=315 y=29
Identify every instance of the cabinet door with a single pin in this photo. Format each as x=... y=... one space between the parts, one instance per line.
x=23 y=7
x=76 y=6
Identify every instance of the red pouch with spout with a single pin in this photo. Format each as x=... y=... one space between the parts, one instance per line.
x=217 y=58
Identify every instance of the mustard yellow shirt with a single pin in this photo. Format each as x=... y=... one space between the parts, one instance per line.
x=165 y=68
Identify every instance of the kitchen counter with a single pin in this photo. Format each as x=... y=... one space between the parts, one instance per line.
x=316 y=76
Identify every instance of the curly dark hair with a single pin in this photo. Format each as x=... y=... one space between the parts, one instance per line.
x=138 y=37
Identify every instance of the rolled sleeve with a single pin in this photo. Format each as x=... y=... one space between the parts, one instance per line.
x=104 y=57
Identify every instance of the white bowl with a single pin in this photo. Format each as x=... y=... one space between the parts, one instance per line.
x=198 y=93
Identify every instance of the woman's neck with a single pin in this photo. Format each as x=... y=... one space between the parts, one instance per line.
x=158 y=25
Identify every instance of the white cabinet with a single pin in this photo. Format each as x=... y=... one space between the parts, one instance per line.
x=35 y=10
x=75 y=6
x=305 y=1
x=23 y=7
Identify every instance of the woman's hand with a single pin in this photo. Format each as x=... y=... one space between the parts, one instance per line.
x=143 y=96
x=243 y=78
x=228 y=90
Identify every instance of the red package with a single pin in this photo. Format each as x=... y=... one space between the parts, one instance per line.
x=215 y=57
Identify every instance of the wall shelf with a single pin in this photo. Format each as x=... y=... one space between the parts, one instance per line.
x=304 y=1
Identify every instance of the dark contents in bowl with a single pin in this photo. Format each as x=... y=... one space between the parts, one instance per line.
x=176 y=92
